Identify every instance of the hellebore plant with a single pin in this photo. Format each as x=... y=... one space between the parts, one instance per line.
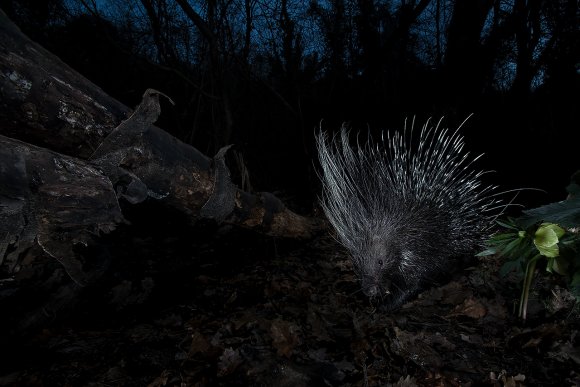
x=549 y=232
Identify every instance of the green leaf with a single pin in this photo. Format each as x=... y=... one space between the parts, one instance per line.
x=515 y=247
x=510 y=266
x=509 y=224
x=504 y=236
x=573 y=189
x=576 y=279
x=487 y=252
x=565 y=213
x=558 y=265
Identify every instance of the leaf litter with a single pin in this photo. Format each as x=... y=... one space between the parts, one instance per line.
x=235 y=308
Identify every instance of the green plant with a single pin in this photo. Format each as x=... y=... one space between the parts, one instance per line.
x=549 y=232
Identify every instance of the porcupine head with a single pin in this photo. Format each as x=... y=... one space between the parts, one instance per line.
x=409 y=209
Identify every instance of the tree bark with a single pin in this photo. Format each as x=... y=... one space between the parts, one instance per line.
x=52 y=207
x=46 y=103
x=56 y=200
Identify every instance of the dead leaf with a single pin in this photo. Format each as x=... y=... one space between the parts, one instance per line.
x=285 y=336
x=408 y=381
x=415 y=347
x=544 y=335
x=161 y=380
x=508 y=381
x=565 y=352
x=471 y=308
x=199 y=344
x=228 y=362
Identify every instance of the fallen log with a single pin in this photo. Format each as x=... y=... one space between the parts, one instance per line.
x=53 y=209
x=54 y=201
x=69 y=153
x=46 y=103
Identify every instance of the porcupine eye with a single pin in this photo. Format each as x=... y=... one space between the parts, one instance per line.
x=381 y=266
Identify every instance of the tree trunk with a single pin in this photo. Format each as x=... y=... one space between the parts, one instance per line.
x=464 y=58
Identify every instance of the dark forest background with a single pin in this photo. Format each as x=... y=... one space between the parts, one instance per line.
x=265 y=75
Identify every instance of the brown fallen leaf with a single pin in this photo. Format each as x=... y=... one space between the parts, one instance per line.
x=285 y=336
x=471 y=308
x=507 y=381
x=228 y=362
x=417 y=348
x=199 y=344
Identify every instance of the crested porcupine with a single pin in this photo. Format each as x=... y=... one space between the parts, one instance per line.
x=408 y=210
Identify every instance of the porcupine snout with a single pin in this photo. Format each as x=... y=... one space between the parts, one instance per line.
x=388 y=268
x=375 y=288
x=375 y=264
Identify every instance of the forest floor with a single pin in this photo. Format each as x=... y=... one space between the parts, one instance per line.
x=207 y=306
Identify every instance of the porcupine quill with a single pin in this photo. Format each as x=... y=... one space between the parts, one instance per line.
x=408 y=210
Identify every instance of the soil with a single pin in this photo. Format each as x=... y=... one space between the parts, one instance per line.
x=219 y=306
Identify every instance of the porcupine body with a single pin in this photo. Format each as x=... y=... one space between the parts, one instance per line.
x=409 y=210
